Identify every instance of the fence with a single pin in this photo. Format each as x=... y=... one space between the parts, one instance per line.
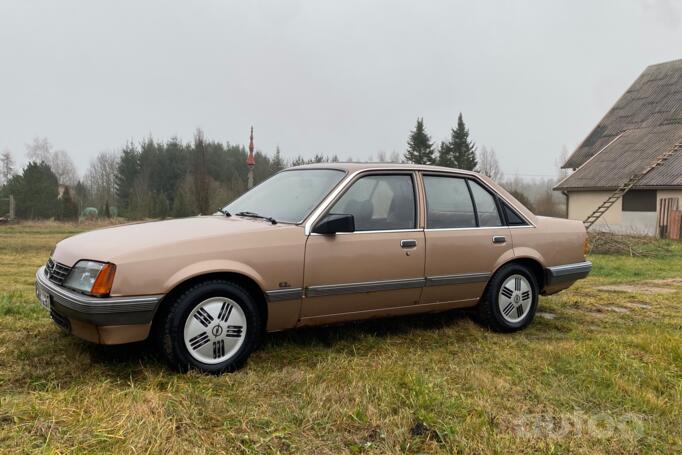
x=669 y=219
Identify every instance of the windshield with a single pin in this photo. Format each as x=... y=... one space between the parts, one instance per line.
x=289 y=196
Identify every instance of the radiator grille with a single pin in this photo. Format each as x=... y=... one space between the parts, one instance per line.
x=56 y=272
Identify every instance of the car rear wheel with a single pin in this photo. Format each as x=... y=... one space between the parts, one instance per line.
x=212 y=327
x=510 y=300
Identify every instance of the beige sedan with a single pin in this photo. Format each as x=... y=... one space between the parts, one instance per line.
x=312 y=245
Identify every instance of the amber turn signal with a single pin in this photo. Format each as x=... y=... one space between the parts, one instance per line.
x=104 y=281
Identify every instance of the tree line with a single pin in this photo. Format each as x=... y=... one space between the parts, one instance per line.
x=159 y=179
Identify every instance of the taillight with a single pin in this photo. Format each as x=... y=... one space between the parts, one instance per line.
x=586 y=246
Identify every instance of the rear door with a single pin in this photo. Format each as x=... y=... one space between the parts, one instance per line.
x=466 y=237
x=381 y=264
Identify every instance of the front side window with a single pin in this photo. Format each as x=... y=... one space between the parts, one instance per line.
x=289 y=196
x=488 y=215
x=448 y=203
x=379 y=202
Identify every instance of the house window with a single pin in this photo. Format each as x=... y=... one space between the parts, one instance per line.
x=639 y=201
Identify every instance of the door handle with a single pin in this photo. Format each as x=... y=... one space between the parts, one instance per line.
x=408 y=243
x=499 y=239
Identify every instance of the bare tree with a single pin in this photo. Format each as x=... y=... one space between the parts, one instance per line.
x=383 y=157
x=395 y=157
x=63 y=167
x=40 y=150
x=561 y=159
x=59 y=161
x=6 y=166
x=488 y=164
x=100 y=178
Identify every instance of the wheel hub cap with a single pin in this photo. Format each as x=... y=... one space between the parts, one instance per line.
x=215 y=330
x=515 y=298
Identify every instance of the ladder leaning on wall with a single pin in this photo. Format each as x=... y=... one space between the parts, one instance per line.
x=625 y=187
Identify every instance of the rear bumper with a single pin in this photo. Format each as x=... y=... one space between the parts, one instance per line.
x=107 y=320
x=567 y=273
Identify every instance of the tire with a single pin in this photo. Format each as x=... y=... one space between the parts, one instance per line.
x=510 y=299
x=212 y=327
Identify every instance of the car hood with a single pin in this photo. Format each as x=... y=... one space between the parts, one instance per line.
x=116 y=243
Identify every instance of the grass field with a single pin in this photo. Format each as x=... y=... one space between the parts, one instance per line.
x=600 y=370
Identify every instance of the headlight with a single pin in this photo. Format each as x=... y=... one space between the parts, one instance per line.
x=91 y=277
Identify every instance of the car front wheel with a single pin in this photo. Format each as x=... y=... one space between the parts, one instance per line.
x=510 y=300
x=212 y=327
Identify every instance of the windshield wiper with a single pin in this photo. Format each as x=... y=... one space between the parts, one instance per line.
x=224 y=212
x=255 y=215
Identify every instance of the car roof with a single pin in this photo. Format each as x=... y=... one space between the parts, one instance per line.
x=354 y=166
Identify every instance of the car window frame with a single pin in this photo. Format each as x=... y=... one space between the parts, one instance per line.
x=496 y=197
x=471 y=199
x=496 y=201
x=334 y=198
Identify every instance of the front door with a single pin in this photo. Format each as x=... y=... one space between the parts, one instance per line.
x=381 y=264
x=466 y=237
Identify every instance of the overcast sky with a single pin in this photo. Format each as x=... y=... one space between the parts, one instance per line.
x=331 y=77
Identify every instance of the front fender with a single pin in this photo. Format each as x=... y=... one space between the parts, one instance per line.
x=214 y=266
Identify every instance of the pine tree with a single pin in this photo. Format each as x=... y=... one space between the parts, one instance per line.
x=38 y=196
x=419 y=146
x=445 y=155
x=126 y=175
x=459 y=152
x=277 y=163
x=464 y=150
x=68 y=207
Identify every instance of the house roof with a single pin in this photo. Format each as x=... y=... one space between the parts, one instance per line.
x=644 y=123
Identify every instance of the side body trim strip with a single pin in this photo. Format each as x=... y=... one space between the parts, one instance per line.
x=445 y=280
x=284 y=294
x=370 y=286
x=375 y=286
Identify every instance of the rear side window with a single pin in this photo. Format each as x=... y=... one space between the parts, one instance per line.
x=513 y=218
x=488 y=215
x=448 y=203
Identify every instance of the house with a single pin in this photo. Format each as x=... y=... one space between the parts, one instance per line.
x=635 y=155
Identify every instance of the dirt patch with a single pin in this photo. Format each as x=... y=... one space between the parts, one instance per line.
x=549 y=316
x=668 y=282
x=644 y=288
x=666 y=286
x=615 y=309
x=638 y=305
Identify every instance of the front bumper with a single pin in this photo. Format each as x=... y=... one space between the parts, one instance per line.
x=567 y=273
x=72 y=310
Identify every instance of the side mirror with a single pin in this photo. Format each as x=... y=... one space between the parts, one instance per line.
x=333 y=223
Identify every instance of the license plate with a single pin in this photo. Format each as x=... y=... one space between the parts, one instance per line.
x=44 y=298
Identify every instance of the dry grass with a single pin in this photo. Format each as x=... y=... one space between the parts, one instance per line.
x=608 y=368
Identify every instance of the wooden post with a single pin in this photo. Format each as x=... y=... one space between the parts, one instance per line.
x=11 y=207
x=675 y=225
